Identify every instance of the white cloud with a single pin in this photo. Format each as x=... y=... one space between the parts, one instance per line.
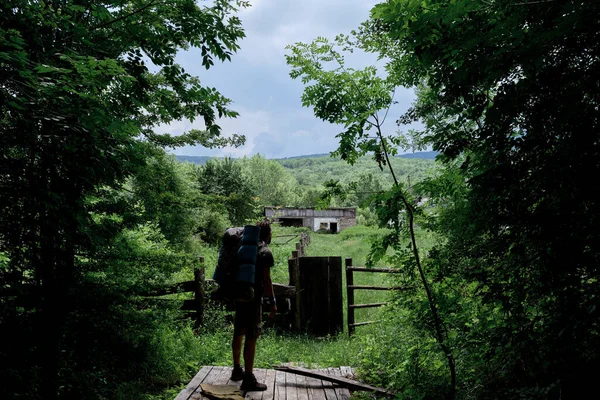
x=257 y=79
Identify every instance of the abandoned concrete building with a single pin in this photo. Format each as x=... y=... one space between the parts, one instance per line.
x=330 y=219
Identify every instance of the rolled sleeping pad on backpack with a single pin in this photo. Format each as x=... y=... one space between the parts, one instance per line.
x=247 y=255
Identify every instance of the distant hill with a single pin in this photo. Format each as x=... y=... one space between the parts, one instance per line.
x=428 y=155
x=201 y=160
x=306 y=156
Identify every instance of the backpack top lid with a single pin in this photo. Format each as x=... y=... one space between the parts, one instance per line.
x=232 y=236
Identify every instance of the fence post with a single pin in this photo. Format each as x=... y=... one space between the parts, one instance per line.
x=299 y=249
x=199 y=291
x=350 y=295
x=294 y=271
x=303 y=243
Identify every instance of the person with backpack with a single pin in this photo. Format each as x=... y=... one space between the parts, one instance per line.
x=248 y=314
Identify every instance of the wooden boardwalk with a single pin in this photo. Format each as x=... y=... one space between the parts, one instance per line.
x=280 y=385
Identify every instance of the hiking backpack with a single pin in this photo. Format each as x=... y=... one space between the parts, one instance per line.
x=236 y=264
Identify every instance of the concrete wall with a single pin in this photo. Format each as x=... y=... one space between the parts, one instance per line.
x=312 y=218
x=318 y=221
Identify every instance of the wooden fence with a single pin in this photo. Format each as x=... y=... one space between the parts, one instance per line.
x=196 y=305
x=286 y=295
x=351 y=287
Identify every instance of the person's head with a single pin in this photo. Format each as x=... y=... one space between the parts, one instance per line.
x=265 y=231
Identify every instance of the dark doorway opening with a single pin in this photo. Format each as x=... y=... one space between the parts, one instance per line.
x=333 y=227
x=291 y=221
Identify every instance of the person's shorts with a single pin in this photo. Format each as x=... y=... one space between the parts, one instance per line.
x=248 y=319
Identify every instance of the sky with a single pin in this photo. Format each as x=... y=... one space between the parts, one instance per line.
x=257 y=80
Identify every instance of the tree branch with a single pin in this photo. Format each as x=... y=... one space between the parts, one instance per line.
x=139 y=10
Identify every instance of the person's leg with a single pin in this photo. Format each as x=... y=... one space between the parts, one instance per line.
x=236 y=347
x=252 y=334
x=249 y=353
x=236 y=344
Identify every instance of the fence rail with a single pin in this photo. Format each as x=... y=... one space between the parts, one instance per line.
x=351 y=287
x=197 y=286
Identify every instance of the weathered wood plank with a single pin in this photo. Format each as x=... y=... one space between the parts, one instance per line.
x=350 y=384
x=291 y=388
x=213 y=376
x=224 y=376
x=368 y=287
x=384 y=270
x=365 y=323
x=315 y=389
x=341 y=392
x=328 y=388
x=279 y=385
x=302 y=389
x=269 y=394
x=194 y=383
x=349 y=295
x=281 y=290
x=347 y=372
x=211 y=379
x=368 y=305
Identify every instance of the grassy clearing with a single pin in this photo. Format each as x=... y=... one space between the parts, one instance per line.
x=276 y=347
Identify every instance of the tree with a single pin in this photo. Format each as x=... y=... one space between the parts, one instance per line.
x=360 y=100
x=78 y=108
x=225 y=180
x=509 y=96
x=273 y=184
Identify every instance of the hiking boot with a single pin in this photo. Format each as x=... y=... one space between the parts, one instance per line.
x=250 y=384
x=238 y=373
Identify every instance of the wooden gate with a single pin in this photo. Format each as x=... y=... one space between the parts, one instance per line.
x=351 y=287
x=319 y=303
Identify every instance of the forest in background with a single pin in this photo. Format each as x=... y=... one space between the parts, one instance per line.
x=499 y=243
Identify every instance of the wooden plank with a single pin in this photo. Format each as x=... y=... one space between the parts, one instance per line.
x=315 y=389
x=347 y=372
x=350 y=295
x=199 y=294
x=224 y=376
x=292 y=272
x=213 y=376
x=279 y=392
x=341 y=392
x=260 y=374
x=302 y=390
x=282 y=290
x=181 y=287
x=291 y=387
x=328 y=388
x=365 y=287
x=365 y=323
x=368 y=305
x=194 y=383
x=211 y=379
x=349 y=383
x=382 y=270
x=269 y=394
